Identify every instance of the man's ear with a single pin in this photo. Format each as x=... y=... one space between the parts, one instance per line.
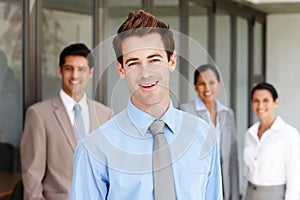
x=91 y=72
x=172 y=62
x=120 y=69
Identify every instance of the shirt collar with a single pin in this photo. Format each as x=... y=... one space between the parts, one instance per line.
x=277 y=125
x=200 y=106
x=69 y=101
x=142 y=120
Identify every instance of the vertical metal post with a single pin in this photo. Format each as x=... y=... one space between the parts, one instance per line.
x=233 y=67
x=32 y=84
x=251 y=23
x=147 y=5
x=99 y=31
x=183 y=44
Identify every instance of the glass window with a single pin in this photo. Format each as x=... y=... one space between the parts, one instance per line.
x=223 y=54
x=11 y=110
x=63 y=23
x=198 y=31
x=198 y=24
x=117 y=91
x=242 y=98
x=258 y=48
x=168 y=12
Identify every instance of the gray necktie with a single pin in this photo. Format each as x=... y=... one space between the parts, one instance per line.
x=162 y=165
x=78 y=122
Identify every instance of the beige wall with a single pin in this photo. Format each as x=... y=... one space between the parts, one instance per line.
x=283 y=63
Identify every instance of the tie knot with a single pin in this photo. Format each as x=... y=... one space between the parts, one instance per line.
x=77 y=107
x=157 y=127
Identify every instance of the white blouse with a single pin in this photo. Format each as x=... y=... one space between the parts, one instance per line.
x=275 y=158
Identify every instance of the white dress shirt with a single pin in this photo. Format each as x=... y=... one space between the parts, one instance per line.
x=275 y=158
x=69 y=104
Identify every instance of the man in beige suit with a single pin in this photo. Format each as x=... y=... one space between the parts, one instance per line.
x=49 y=140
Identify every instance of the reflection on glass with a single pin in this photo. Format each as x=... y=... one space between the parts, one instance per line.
x=10 y=72
x=63 y=24
x=10 y=80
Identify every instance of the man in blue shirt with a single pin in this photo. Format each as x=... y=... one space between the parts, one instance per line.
x=115 y=161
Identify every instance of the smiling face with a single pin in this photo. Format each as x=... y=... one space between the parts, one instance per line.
x=263 y=104
x=207 y=86
x=147 y=71
x=75 y=74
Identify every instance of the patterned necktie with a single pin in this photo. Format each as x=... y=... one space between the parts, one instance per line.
x=78 y=122
x=162 y=165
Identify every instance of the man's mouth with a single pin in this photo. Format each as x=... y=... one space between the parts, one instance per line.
x=207 y=94
x=148 y=85
x=75 y=82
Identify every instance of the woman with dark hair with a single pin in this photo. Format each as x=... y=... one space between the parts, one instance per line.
x=207 y=83
x=271 y=151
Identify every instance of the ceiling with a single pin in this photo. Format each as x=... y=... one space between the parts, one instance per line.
x=274 y=6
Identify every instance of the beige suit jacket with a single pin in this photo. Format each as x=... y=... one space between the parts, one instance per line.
x=48 y=145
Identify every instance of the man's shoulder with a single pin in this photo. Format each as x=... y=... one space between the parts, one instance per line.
x=190 y=116
x=99 y=105
x=45 y=104
x=112 y=124
x=187 y=105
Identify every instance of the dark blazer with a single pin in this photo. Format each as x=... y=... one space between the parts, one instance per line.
x=229 y=155
x=48 y=145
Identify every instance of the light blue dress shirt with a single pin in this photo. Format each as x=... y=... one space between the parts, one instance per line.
x=115 y=161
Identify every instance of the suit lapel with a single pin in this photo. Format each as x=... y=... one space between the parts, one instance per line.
x=94 y=120
x=222 y=117
x=203 y=115
x=64 y=121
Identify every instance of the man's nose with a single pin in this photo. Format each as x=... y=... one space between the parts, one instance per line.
x=145 y=70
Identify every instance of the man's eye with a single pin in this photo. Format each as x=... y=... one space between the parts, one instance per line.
x=132 y=64
x=202 y=83
x=82 y=69
x=155 y=60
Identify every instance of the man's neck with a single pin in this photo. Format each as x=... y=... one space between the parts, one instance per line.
x=155 y=110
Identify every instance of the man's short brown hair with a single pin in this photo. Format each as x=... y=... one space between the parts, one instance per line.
x=141 y=23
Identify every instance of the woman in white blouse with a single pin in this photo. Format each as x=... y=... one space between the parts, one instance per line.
x=271 y=151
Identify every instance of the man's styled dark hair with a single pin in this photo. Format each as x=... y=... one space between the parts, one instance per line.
x=265 y=86
x=203 y=68
x=76 y=49
x=141 y=23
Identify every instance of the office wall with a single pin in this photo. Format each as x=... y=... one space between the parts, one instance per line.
x=283 y=63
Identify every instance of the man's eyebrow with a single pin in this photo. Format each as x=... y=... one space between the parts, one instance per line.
x=148 y=57
x=154 y=55
x=67 y=65
x=81 y=66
